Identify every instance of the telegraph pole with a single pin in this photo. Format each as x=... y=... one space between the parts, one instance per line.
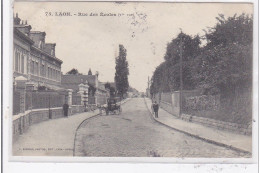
x=181 y=78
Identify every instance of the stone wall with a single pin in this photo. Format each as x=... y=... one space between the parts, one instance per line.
x=170 y=108
x=171 y=101
x=193 y=100
x=204 y=102
x=234 y=127
x=77 y=109
x=21 y=122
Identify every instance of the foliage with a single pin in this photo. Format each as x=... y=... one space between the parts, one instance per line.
x=167 y=75
x=236 y=29
x=225 y=65
x=91 y=90
x=112 y=90
x=222 y=67
x=73 y=72
x=107 y=85
x=122 y=72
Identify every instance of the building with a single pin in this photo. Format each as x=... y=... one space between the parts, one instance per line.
x=87 y=86
x=34 y=59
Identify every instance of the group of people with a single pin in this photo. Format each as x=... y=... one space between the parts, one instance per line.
x=155 y=108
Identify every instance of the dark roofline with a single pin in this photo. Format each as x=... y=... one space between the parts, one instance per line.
x=22 y=26
x=24 y=36
x=51 y=43
x=45 y=53
x=38 y=32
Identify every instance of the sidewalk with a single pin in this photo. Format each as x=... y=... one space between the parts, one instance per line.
x=50 y=138
x=238 y=141
x=54 y=137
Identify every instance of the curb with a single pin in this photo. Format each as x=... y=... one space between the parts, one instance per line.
x=198 y=137
x=95 y=115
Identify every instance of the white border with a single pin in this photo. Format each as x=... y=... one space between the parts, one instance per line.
x=12 y=166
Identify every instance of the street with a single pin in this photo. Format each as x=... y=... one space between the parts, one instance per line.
x=134 y=133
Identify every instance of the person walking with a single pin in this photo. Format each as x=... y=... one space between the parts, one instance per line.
x=156 y=109
x=65 y=109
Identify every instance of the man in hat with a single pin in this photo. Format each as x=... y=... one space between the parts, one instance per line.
x=156 y=109
x=65 y=109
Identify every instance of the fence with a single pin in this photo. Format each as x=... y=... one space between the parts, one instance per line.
x=44 y=99
x=236 y=109
x=76 y=99
x=16 y=102
x=91 y=100
x=170 y=101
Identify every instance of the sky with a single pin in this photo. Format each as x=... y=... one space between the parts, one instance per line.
x=91 y=42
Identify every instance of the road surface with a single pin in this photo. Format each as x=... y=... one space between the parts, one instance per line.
x=134 y=133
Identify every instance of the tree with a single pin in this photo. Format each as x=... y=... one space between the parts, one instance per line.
x=112 y=90
x=91 y=90
x=166 y=77
x=73 y=72
x=224 y=67
x=225 y=64
x=122 y=72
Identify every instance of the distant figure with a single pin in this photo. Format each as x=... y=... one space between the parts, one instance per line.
x=156 y=109
x=65 y=109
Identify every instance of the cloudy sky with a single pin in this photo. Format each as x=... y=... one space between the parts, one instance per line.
x=144 y=29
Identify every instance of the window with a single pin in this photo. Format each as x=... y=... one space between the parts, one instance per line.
x=49 y=72
x=22 y=64
x=42 y=70
x=19 y=63
x=16 y=61
x=36 y=68
x=31 y=67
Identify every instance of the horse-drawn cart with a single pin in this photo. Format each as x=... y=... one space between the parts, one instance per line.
x=113 y=106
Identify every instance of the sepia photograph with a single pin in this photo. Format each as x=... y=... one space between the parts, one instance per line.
x=132 y=79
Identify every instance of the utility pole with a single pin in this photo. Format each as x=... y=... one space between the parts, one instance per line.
x=181 y=78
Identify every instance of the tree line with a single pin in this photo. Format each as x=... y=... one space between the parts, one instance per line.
x=222 y=66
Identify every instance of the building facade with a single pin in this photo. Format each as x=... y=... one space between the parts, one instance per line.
x=34 y=59
x=87 y=86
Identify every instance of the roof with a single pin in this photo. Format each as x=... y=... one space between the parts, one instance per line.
x=78 y=79
x=24 y=36
x=47 y=54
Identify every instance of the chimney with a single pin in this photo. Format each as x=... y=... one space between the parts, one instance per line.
x=50 y=48
x=17 y=20
x=38 y=38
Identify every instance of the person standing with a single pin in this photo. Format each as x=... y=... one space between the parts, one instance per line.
x=156 y=109
x=65 y=109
